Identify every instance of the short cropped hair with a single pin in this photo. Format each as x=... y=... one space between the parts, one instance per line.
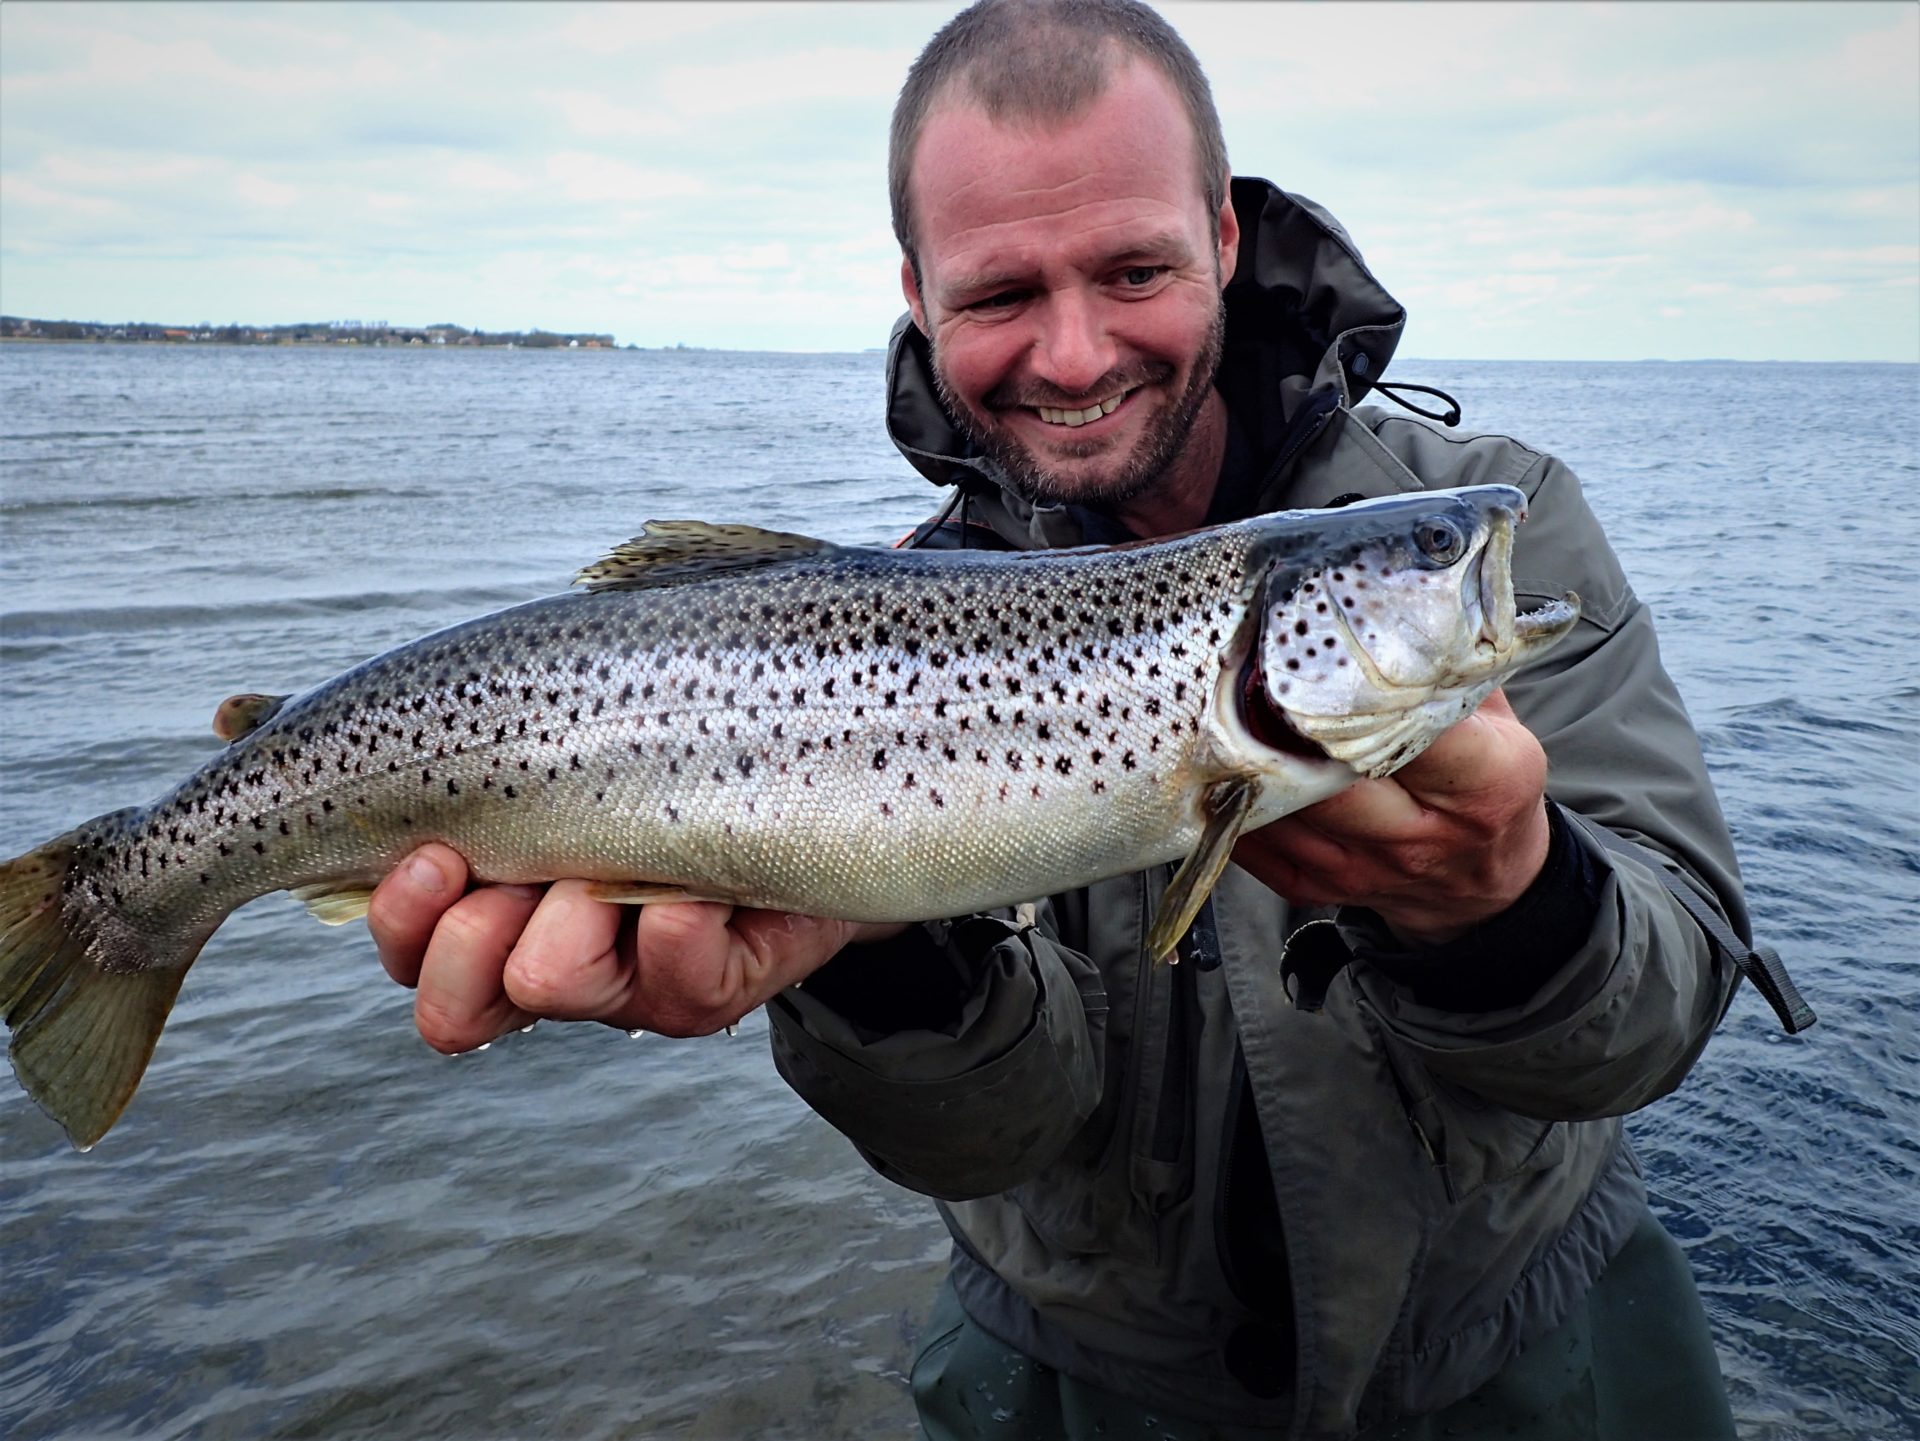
x=1046 y=60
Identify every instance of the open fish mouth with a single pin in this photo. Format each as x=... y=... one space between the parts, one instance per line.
x=1546 y=624
x=1503 y=626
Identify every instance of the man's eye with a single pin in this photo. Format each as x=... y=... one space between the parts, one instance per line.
x=1140 y=275
x=1001 y=301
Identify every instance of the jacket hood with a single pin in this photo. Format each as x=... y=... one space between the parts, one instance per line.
x=1304 y=314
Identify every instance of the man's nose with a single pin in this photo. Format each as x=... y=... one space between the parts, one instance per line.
x=1074 y=350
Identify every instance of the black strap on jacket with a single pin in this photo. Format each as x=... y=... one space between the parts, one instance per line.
x=1760 y=964
x=1390 y=390
x=1316 y=953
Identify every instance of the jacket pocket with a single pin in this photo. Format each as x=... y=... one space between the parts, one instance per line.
x=1488 y=1145
x=1471 y=1142
x=1133 y=1161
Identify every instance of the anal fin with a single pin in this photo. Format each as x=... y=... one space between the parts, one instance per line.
x=1227 y=804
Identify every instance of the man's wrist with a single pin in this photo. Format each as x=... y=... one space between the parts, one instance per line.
x=904 y=977
x=866 y=933
x=1503 y=960
x=1519 y=869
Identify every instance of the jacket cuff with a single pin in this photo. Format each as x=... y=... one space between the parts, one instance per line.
x=916 y=981
x=1502 y=961
x=979 y=1102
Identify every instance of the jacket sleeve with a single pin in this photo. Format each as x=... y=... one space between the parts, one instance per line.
x=958 y=1105
x=1618 y=1023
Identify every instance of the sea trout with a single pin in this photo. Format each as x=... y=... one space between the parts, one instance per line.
x=734 y=714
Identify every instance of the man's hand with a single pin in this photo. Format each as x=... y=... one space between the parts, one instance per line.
x=495 y=959
x=1449 y=840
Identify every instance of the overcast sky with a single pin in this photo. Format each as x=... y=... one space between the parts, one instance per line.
x=1532 y=181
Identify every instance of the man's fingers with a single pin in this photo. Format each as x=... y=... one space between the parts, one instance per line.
x=779 y=949
x=490 y=961
x=1489 y=748
x=1369 y=810
x=687 y=970
x=701 y=966
x=568 y=963
x=408 y=904
x=461 y=1001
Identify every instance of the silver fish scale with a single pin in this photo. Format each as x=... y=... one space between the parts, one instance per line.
x=869 y=734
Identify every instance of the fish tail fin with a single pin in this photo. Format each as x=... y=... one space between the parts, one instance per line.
x=82 y=991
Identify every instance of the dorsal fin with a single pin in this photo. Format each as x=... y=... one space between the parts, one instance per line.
x=667 y=551
x=239 y=715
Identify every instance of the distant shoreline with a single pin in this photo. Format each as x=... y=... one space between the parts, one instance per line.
x=60 y=340
x=375 y=333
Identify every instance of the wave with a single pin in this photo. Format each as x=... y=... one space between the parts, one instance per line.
x=38 y=625
x=101 y=504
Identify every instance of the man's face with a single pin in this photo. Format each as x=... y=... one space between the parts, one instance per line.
x=1070 y=284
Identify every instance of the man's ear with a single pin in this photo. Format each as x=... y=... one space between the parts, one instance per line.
x=1229 y=233
x=910 y=287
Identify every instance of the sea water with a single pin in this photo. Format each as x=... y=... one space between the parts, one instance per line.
x=309 y=1224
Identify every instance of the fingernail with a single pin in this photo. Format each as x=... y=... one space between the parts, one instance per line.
x=426 y=875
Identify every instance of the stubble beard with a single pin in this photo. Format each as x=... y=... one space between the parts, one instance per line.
x=1135 y=473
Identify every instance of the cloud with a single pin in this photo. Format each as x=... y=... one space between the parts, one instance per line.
x=1802 y=294
x=1530 y=180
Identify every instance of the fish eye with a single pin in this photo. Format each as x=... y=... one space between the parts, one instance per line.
x=1440 y=540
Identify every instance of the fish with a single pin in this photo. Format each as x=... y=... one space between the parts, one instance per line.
x=722 y=712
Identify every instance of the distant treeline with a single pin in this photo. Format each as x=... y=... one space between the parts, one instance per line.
x=322 y=332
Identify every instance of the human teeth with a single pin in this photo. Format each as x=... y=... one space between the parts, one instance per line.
x=1053 y=416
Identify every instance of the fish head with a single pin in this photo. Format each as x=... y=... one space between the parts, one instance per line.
x=1395 y=622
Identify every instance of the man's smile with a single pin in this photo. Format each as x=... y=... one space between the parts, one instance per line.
x=1073 y=419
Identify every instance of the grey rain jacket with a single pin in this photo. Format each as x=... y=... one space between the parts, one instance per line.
x=1449 y=1183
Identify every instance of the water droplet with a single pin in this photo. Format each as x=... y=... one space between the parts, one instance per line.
x=528 y=1027
x=635 y=1035
x=733 y=1031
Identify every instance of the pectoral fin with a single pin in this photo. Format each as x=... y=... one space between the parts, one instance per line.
x=1227 y=804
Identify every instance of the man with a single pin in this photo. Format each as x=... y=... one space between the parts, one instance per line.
x=1177 y=1199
